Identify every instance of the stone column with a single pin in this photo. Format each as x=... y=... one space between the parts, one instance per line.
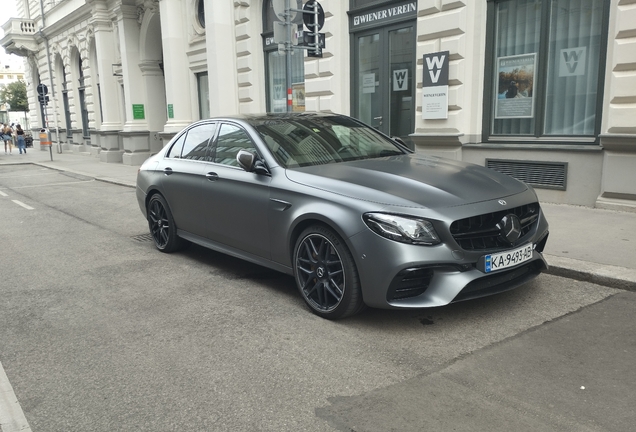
x=106 y=48
x=135 y=136
x=178 y=76
x=221 y=49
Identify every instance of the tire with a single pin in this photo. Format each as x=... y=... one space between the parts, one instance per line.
x=162 y=226
x=326 y=275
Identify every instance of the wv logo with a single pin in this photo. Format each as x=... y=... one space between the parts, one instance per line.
x=434 y=65
x=400 y=80
x=572 y=61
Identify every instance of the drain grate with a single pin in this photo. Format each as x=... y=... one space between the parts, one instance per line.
x=546 y=175
x=143 y=238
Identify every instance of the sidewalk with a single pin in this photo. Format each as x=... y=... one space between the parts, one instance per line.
x=594 y=245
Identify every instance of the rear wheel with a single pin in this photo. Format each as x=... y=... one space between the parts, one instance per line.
x=162 y=226
x=326 y=275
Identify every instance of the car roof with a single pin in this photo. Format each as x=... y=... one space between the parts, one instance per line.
x=264 y=117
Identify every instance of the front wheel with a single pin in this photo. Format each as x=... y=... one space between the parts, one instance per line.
x=162 y=226
x=326 y=274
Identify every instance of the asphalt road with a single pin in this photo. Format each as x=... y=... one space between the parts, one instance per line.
x=101 y=332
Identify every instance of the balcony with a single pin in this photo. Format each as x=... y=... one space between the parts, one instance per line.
x=19 y=37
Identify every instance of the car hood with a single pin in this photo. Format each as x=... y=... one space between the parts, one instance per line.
x=409 y=180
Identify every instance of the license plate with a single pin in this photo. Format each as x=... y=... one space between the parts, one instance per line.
x=504 y=260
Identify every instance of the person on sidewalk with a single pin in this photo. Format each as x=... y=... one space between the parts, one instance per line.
x=6 y=133
x=20 y=136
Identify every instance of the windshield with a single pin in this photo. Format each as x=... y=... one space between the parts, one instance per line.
x=298 y=141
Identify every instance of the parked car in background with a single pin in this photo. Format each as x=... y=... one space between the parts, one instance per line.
x=356 y=217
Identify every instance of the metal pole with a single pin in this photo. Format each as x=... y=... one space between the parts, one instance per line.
x=288 y=53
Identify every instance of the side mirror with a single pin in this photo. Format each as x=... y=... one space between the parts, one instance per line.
x=250 y=163
x=399 y=140
x=246 y=160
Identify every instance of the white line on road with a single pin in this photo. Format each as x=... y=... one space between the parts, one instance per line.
x=12 y=417
x=3 y=194
x=20 y=203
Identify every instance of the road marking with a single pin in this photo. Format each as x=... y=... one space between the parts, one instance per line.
x=54 y=184
x=12 y=417
x=3 y=194
x=20 y=203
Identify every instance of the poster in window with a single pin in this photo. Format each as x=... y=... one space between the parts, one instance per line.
x=515 y=86
x=298 y=97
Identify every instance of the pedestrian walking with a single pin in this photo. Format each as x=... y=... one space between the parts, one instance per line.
x=7 y=133
x=20 y=137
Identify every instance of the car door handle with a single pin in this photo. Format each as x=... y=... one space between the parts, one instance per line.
x=212 y=176
x=167 y=171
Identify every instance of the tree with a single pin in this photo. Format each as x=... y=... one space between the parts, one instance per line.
x=15 y=94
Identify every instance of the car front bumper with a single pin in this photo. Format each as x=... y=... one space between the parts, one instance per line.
x=396 y=275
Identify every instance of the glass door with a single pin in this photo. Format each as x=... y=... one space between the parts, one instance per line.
x=384 y=81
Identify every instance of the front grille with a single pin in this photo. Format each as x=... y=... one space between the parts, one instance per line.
x=409 y=283
x=481 y=232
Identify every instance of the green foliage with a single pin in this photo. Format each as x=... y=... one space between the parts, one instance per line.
x=15 y=94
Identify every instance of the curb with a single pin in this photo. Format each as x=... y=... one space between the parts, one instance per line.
x=600 y=274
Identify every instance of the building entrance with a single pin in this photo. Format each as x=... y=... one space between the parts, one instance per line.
x=384 y=81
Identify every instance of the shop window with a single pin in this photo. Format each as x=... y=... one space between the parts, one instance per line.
x=276 y=68
x=545 y=70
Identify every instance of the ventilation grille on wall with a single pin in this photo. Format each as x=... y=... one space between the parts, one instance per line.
x=547 y=175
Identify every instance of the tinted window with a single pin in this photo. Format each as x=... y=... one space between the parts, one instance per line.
x=231 y=139
x=196 y=142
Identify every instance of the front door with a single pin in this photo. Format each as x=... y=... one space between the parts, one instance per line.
x=384 y=79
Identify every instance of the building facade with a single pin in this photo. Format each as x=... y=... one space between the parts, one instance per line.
x=544 y=90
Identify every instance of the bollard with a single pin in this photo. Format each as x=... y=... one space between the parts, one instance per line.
x=45 y=140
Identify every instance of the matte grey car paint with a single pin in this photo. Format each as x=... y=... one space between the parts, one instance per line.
x=257 y=217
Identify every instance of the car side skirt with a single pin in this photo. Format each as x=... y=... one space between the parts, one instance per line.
x=201 y=241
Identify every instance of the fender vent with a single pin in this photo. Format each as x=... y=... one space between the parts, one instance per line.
x=545 y=175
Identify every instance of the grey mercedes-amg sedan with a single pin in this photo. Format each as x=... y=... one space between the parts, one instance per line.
x=355 y=216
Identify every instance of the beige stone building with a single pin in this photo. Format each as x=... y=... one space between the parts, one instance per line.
x=544 y=90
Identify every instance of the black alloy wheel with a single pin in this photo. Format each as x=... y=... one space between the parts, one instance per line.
x=162 y=226
x=326 y=275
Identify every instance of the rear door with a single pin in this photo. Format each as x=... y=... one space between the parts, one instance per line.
x=184 y=175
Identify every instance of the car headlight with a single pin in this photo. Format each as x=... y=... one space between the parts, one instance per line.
x=402 y=229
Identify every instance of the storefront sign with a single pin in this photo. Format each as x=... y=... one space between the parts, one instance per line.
x=138 y=112
x=435 y=86
x=572 y=61
x=515 y=86
x=383 y=15
x=368 y=83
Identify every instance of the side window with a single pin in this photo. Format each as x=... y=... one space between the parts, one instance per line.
x=175 y=150
x=196 y=142
x=231 y=139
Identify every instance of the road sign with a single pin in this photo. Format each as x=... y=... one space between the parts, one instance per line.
x=309 y=17
x=42 y=89
x=279 y=9
x=309 y=42
x=44 y=100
